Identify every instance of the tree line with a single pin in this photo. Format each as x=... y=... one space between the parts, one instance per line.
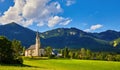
x=86 y=54
x=89 y=55
x=11 y=51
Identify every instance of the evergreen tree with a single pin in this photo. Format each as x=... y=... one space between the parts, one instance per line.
x=88 y=54
x=66 y=52
x=71 y=54
x=76 y=55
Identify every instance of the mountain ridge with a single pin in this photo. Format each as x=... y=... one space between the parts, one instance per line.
x=61 y=37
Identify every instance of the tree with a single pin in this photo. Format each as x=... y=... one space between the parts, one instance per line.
x=110 y=57
x=82 y=53
x=48 y=51
x=66 y=52
x=17 y=48
x=88 y=54
x=71 y=54
x=23 y=51
x=101 y=55
x=117 y=57
x=9 y=51
x=6 y=51
x=76 y=55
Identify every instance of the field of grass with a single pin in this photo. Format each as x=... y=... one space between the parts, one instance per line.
x=63 y=64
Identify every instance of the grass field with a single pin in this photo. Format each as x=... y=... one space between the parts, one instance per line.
x=60 y=64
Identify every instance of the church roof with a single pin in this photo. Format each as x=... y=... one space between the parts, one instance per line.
x=31 y=47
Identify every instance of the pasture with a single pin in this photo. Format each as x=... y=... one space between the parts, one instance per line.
x=63 y=64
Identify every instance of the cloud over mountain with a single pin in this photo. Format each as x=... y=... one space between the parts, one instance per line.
x=94 y=27
x=42 y=12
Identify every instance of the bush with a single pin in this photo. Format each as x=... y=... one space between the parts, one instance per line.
x=117 y=57
x=19 y=61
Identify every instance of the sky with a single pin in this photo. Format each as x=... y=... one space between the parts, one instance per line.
x=43 y=15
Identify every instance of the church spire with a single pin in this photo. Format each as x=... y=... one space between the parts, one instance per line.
x=37 y=43
x=37 y=35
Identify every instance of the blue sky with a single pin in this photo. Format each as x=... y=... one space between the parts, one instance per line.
x=87 y=15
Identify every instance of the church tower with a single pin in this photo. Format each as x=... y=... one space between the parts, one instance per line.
x=37 y=45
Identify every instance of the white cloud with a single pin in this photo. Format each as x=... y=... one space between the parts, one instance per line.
x=40 y=24
x=54 y=20
x=2 y=0
x=27 y=12
x=94 y=27
x=60 y=20
x=65 y=21
x=69 y=2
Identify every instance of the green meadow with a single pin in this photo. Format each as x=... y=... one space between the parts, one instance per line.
x=63 y=64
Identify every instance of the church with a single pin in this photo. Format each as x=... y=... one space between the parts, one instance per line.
x=35 y=50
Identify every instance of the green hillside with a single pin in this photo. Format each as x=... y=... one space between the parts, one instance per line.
x=60 y=64
x=59 y=38
x=116 y=42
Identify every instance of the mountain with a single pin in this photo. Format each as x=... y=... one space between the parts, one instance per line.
x=15 y=31
x=108 y=35
x=75 y=38
x=61 y=37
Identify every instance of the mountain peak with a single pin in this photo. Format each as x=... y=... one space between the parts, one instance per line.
x=111 y=31
x=13 y=24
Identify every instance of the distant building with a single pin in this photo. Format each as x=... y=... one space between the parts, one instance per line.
x=35 y=50
x=56 y=53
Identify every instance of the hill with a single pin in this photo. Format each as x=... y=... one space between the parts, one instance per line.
x=108 y=35
x=61 y=37
x=73 y=38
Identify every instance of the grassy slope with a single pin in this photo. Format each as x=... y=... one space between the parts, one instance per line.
x=65 y=65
